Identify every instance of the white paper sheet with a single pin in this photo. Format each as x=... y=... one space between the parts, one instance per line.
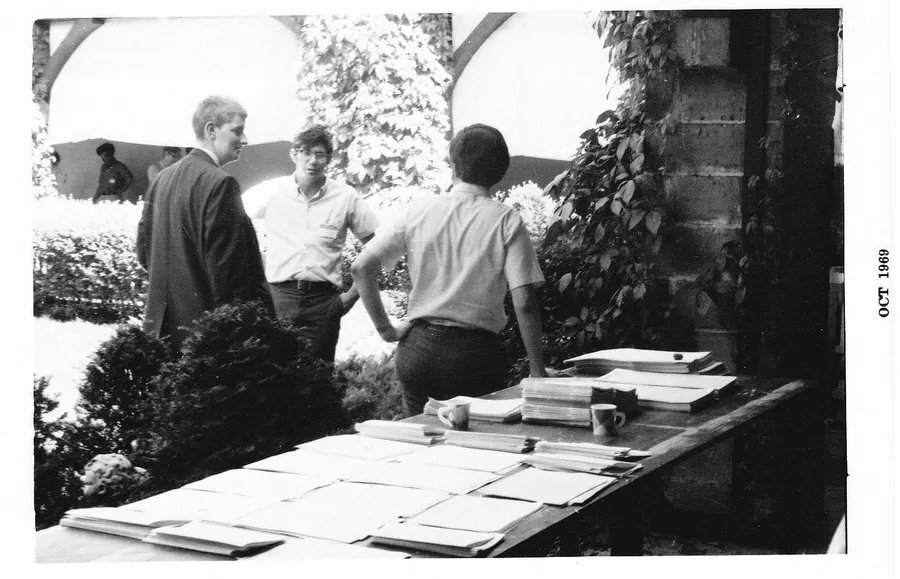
x=420 y=476
x=550 y=487
x=358 y=446
x=259 y=483
x=465 y=458
x=188 y=504
x=308 y=462
x=471 y=513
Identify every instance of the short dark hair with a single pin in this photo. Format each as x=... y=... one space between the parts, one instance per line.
x=106 y=148
x=172 y=150
x=217 y=110
x=479 y=155
x=312 y=136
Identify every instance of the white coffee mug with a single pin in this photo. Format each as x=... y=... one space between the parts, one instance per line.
x=455 y=415
x=606 y=419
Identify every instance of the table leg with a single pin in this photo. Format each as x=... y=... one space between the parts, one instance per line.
x=800 y=488
x=626 y=524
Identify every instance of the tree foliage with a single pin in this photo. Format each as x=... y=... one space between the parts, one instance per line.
x=380 y=82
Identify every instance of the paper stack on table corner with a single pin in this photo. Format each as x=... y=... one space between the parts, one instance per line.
x=603 y=361
x=489 y=410
x=490 y=441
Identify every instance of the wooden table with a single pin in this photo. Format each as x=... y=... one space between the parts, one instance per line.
x=797 y=408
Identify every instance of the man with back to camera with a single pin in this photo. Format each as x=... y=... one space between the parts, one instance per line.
x=115 y=178
x=306 y=217
x=464 y=250
x=194 y=239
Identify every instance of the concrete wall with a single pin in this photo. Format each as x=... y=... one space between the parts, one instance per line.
x=79 y=166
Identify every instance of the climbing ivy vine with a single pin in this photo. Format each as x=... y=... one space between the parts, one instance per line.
x=599 y=253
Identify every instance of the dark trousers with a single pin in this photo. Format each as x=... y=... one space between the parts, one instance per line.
x=446 y=361
x=317 y=310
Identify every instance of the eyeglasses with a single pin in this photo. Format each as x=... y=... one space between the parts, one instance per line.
x=319 y=156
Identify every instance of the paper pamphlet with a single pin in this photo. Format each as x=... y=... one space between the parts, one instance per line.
x=260 y=483
x=358 y=446
x=422 y=476
x=193 y=505
x=549 y=487
x=465 y=458
x=482 y=514
x=637 y=378
x=345 y=512
x=311 y=463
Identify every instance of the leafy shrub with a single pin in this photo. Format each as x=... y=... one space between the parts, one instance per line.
x=119 y=387
x=83 y=262
x=54 y=489
x=42 y=179
x=245 y=387
x=371 y=389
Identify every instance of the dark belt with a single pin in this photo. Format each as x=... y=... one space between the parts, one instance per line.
x=309 y=286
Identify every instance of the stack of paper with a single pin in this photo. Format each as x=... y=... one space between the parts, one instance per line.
x=604 y=361
x=213 y=538
x=453 y=542
x=423 y=476
x=488 y=441
x=399 y=431
x=591 y=449
x=482 y=514
x=466 y=458
x=358 y=446
x=677 y=399
x=506 y=410
x=576 y=463
x=118 y=521
x=276 y=486
x=345 y=512
x=297 y=548
x=548 y=486
x=719 y=384
x=310 y=463
x=564 y=401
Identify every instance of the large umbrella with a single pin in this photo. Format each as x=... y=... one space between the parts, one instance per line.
x=138 y=79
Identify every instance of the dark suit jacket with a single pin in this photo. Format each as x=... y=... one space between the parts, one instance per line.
x=198 y=245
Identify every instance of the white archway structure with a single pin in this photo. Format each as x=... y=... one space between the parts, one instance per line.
x=138 y=79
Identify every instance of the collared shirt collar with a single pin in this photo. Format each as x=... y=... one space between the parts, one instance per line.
x=319 y=194
x=469 y=189
x=212 y=155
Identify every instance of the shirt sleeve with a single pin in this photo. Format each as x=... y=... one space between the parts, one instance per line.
x=254 y=201
x=363 y=220
x=521 y=266
x=389 y=243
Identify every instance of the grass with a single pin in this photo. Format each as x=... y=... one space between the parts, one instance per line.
x=62 y=350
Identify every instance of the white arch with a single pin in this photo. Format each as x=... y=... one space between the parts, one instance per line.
x=139 y=79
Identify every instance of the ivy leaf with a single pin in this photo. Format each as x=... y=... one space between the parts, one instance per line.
x=556 y=181
x=739 y=296
x=566 y=211
x=616 y=207
x=627 y=190
x=572 y=322
x=605 y=261
x=620 y=150
x=564 y=282
x=601 y=203
x=599 y=232
x=655 y=51
x=657 y=245
x=636 y=217
x=653 y=221
x=637 y=163
x=639 y=291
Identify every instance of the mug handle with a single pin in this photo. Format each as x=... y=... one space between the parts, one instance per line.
x=620 y=420
x=442 y=414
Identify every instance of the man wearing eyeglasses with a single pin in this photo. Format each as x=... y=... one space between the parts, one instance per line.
x=305 y=218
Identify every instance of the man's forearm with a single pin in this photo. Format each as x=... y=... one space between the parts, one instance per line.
x=528 y=314
x=365 y=284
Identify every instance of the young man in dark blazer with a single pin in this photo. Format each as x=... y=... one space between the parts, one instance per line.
x=193 y=237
